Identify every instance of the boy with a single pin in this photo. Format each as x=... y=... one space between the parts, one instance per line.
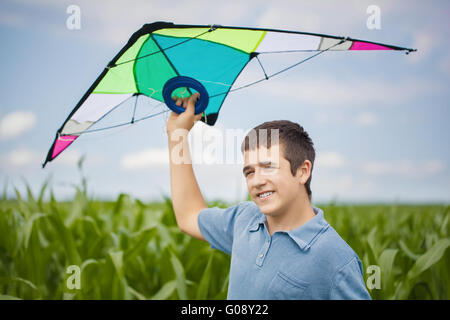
x=281 y=246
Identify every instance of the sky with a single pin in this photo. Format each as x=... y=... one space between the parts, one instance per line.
x=378 y=120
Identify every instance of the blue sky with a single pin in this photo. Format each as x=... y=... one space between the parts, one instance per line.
x=378 y=119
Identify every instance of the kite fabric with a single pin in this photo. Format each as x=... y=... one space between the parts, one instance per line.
x=214 y=55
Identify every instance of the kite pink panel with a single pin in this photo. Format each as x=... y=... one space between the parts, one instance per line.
x=367 y=46
x=61 y=143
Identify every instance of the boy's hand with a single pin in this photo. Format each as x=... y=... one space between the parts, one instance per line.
x=186 y=119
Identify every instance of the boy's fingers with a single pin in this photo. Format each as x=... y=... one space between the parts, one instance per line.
x=198 y=116
x=193 y=98
x=191 y=103
x=186 y=103
x=190 y=107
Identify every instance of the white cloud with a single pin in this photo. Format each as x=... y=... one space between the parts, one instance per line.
x=324 y=117
x=145 y=159
x=217 y=145
x=424 y=43
x=68 y=158
x=323 y=186
x=327 y=91
x=221 y=181
x=366 y=119
x=362 y=119
x=11 y=19
x=115 y=23
x=25 y=157
x=444 y=65
x=21 y=157
x=329 y=160
x=325 y=16
x=367 y=186
x=16 y=123
x=208 y=146
x=434 y=166
x=405 y=168
x=344 y=188
x=293 y=17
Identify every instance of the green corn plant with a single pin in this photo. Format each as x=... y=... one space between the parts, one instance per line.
x=130 y=249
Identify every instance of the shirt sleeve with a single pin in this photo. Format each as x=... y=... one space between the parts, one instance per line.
x=217 y=225
x=348 y=282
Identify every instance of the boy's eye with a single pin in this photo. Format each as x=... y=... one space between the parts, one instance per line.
x=247 y=173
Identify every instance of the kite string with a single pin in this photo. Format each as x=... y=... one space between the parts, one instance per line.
x=232 y=90
x=99 y=119
x=160 y=51
x=262 y=67
x=120 y=124
x=122 y=77
x=281 y=71
x=134 y=109
x=215 y=82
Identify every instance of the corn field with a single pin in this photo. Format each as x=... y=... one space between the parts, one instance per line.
x=128 y=249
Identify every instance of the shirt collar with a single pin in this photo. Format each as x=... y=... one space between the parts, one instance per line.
x=303 y=235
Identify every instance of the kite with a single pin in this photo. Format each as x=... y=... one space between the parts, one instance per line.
x=164 y=59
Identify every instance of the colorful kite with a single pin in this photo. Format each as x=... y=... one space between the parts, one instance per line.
x=164 y=59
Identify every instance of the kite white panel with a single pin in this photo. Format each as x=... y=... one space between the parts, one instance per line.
x=279 y=41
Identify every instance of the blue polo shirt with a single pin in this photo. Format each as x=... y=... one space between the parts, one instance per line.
x=310 y=262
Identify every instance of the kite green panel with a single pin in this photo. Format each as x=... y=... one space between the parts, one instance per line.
x=241 y=39
x=152 y=70
x=213 y=55
x=216 y=66
x=120 y=79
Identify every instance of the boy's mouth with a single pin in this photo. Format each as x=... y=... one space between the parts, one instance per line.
x=265 y=195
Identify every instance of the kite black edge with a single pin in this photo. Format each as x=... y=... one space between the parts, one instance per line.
x=212 y=118
x=162 y=25
x=151 y=27
x=147 y=28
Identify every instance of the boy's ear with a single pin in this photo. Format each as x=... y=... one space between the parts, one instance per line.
x=304 y=171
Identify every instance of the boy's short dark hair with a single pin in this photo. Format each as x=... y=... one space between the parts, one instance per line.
x=294 y=142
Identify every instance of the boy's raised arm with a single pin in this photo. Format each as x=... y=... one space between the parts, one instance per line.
x=187 y=199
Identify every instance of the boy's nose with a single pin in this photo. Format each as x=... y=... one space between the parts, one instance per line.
x=260 y=179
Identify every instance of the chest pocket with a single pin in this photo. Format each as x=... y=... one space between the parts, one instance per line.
x=287 y=287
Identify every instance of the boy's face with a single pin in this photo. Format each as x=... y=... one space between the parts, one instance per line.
x=269 y=180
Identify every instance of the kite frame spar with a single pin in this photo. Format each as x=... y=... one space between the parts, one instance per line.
x=211 y=119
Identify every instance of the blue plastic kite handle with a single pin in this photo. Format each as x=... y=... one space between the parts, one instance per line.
x=182 y=81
